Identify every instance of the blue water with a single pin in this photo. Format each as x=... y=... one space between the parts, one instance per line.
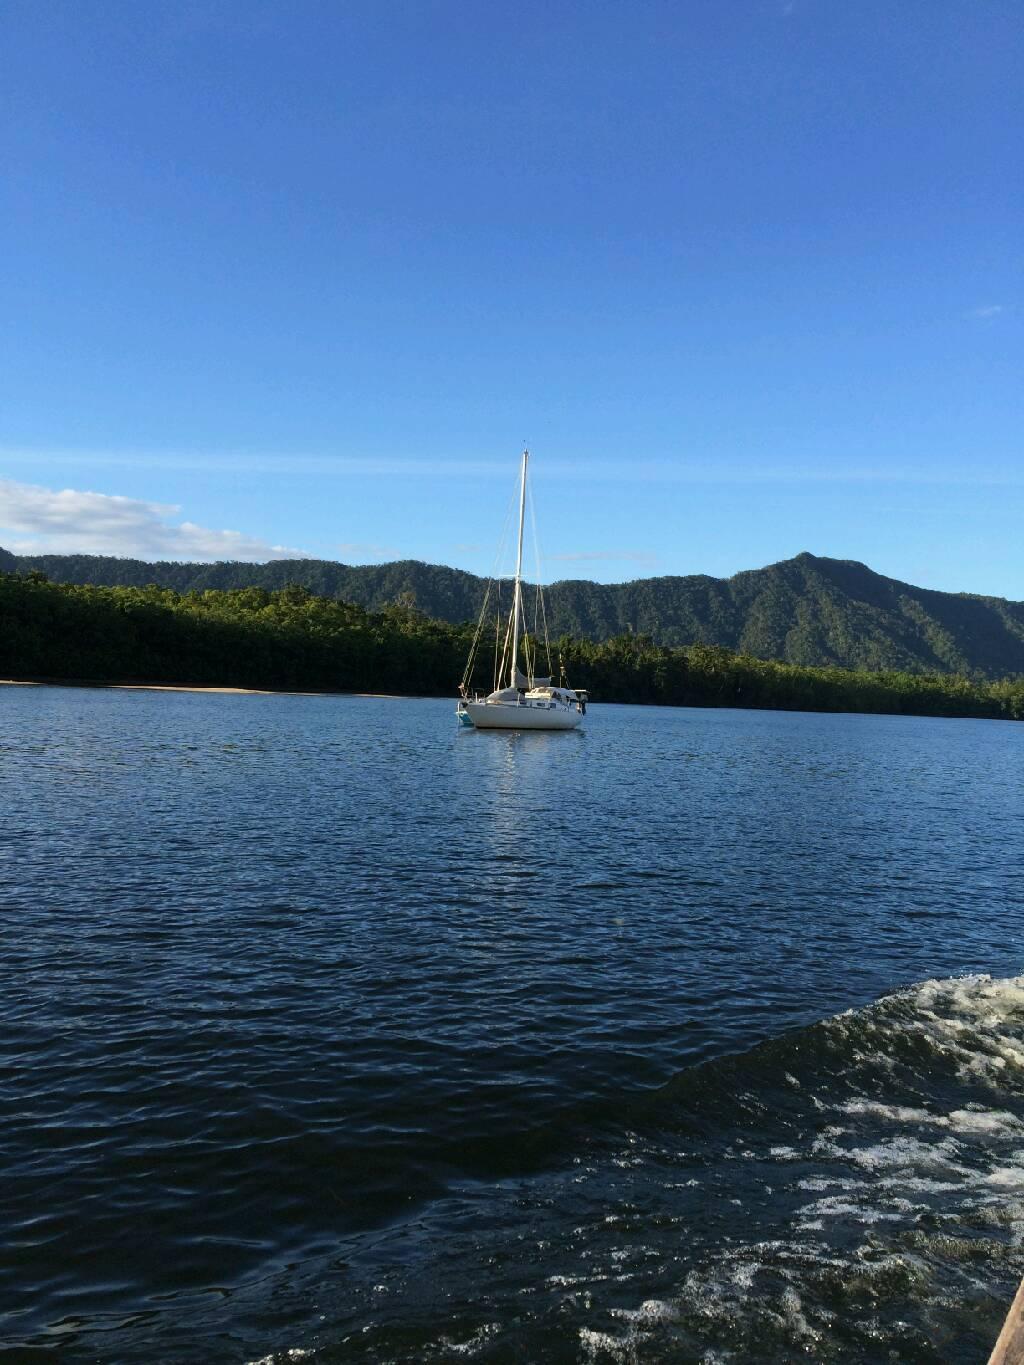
x=329 y=1027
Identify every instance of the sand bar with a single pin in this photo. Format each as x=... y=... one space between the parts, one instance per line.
x=180 y=687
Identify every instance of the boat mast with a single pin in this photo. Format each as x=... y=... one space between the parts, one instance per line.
x=517 y=596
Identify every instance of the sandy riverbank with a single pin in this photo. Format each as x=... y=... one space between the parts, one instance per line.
x=178 y=687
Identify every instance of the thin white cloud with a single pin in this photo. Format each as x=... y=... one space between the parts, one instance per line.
x=988 y=310
x=693 y=468
x=635 y=556
x=263 y=463
x=35 y=520
x=361 y=549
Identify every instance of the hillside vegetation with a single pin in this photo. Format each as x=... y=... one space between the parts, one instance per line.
x=248 y=637
x=807 y=610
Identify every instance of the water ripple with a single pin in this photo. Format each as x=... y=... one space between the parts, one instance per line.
x=328 y=1028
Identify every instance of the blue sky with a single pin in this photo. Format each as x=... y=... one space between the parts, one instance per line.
x=745 y=275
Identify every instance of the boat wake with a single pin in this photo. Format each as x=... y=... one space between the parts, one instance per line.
x=850 y=1191
x=880 y=1194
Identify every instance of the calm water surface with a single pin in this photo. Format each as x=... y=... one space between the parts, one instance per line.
x=329 y=1031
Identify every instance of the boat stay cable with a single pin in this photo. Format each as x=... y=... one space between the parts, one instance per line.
x=493 y=582
x=539 y=601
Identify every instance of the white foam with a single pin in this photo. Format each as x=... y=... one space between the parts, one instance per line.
x=792 y=1311
x=835 y=1206
x=1006 y=1176
x=822 y=1183
x=292 y=1353
x=824 y=1144
x=919 y=1184
x=972 y=1018
x=973 y=1120
x=640 y=1324
x=651 y=1313
x=974 y=1021
x=470 y=1347
x=908 y=1153
x=897 y=1113
x=980 y=999
x=597 y=1344
x=743 y=1274
x=996 y=1122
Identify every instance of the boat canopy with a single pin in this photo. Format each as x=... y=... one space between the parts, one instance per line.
x=505 y=694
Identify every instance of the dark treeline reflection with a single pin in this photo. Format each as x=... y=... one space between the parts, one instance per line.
x=249 y=637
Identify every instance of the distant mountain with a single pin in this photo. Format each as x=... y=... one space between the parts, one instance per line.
x=807 y=610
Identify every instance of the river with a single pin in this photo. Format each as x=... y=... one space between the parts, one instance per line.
x=332 y=1032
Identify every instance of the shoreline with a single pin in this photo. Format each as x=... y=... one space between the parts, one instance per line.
x=187 y=687
x=434 y=696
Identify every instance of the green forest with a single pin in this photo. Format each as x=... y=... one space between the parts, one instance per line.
x=292 y=639
x=807 y=610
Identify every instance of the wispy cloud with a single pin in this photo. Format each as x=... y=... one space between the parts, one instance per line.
x=692 y=468
x=988 y=310
x=35 y=520
x=612 y=556
x=261 y=463
x=362 y=549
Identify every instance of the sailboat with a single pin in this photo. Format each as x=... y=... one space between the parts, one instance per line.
x=524 y=702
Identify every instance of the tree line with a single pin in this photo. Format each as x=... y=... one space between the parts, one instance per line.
x=292 y=639
x=807 y=610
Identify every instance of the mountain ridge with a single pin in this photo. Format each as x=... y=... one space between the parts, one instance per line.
x=810 y=609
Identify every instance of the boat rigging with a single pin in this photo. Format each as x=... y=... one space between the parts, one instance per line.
x=525 y=701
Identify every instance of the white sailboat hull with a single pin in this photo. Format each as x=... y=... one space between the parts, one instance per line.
x=496 y=715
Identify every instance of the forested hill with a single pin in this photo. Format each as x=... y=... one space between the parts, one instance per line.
x=808 y=610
